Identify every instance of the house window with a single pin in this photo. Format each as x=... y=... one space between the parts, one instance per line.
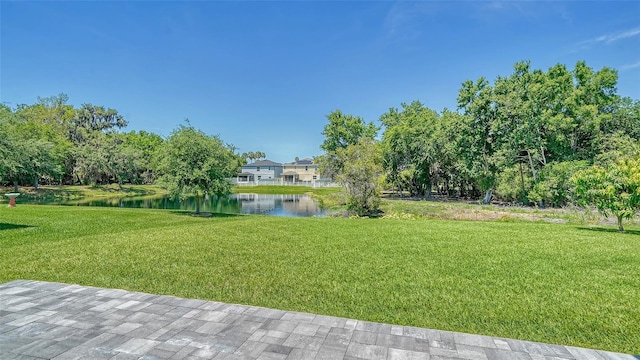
x=259 y=177
x=306 y=168
x=258 y=169
x=315 y=177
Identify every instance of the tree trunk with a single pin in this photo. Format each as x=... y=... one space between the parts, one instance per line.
x=522 y=181
x=533 y=169
x=544 y=163
x=35 y=183
x=620 y=223
x=427 y=191
x=15 y=185
x=198 y=205
x=487 y=197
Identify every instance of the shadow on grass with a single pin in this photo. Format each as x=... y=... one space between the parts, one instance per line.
x=6 y=226
x=609 y=230
x=204 y=214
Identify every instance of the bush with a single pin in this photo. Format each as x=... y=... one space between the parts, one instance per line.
x=510 y=185
x=554 y=187
x=361 y=177
x=612 y=190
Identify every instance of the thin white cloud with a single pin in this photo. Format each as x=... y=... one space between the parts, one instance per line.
x=630 y=66
x=613 y=37
x=624 y=35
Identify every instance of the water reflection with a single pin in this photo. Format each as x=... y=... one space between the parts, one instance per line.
x=275 y=205
x=279 y=205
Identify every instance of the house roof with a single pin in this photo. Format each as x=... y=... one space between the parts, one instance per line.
x=289 y=173
x=245 y=174
x=264 y=163
x=305 y=161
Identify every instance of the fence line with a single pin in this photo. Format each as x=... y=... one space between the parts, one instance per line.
x=312 y=183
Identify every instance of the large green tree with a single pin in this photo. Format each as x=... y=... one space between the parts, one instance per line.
x=124 y=161
x=625 y=118
x=49 y=119
x=93 y=133
x=91 y=159
x=195 y=164
x=533 y=118
x=477 y=138
x=147 y=145
x=91 y=119
x=30 y=155
x=410 y=147
x=344 y=130
x=9 y=164
x=341 y=131
x=451 y=172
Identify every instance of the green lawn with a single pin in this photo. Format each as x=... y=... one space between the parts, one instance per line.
x=529 y=280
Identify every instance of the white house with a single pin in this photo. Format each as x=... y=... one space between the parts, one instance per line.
x=260 y=170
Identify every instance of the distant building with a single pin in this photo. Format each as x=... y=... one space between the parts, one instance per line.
x=260 y=170
x=303 y=170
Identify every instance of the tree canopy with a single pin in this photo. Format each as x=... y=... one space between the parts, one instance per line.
x=341 y=131
x=195 y=164
x=344 y=130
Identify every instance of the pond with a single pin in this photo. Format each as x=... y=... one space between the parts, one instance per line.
x=275 y=205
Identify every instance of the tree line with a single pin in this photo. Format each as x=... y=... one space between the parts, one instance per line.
x=53 y=142
x=518 y=139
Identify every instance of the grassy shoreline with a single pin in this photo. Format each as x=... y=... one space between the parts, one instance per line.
x=75 y=192
x=333 y=200
x=536 y=281
x=86 y=191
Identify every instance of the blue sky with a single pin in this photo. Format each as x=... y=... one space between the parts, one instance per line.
x=263 y=75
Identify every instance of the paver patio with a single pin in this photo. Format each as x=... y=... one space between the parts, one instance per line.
x=43 y=320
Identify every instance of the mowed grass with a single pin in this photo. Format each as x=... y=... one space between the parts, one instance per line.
x=536 y=281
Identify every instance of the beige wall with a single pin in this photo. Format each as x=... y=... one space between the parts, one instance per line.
x=305 y=172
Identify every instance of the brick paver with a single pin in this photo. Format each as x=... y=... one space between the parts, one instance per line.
x=43 y=320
